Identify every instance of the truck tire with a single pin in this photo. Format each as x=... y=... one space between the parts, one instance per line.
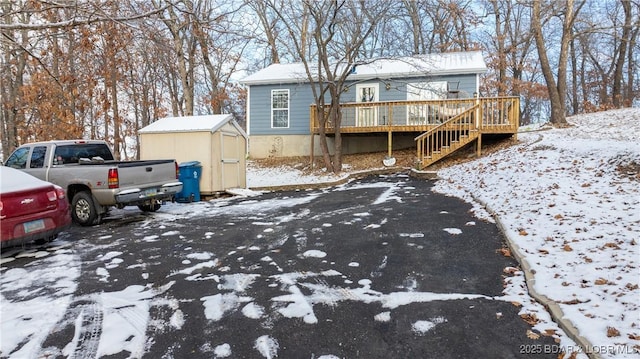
x=83 y=209
x=149 y=207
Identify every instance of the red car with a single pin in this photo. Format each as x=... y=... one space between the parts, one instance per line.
x=30 y=209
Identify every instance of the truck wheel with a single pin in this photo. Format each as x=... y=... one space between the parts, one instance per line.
x=83 y=210
x=149 y=207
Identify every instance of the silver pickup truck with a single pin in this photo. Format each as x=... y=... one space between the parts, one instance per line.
x=94 y=181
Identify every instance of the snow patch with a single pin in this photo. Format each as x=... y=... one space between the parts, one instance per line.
x=314 y=253
x=267 y=346
x=421 y=327
x=454 y=231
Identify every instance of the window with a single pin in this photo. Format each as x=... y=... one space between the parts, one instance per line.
x=18 y=158
x=420 y=91
x=280 y=108
x=37 y=157
x=73 y=153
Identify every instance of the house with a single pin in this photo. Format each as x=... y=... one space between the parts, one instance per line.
x=386 y=104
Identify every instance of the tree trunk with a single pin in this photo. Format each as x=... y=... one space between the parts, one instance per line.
x=630 y=92
x=616 y=92
x=500 y=44
x=114 y=104
x=336 y=114
x=557 y=90
x=322 y=128
x=12 y=79
x=414 y=15
x=575 y=104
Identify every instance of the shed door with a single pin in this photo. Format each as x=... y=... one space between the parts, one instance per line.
x=230 y=156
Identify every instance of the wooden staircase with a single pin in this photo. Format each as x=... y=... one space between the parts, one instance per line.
x=451 y=135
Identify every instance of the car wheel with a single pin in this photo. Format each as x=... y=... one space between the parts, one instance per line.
x=83 y=210
x=150 y=207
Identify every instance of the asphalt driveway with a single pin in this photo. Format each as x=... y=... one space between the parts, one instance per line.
x=377 y=268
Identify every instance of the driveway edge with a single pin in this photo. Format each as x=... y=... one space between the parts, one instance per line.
x=552 y=306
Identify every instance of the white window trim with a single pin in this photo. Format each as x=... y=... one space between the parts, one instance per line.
x=271 y=109
x=375 y=85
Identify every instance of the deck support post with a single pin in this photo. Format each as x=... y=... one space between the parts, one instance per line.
x=390 y=133
x=479 y=145
x=312 y=121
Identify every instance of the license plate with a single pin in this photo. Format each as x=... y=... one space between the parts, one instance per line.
x=150 y=192
x=33 y=226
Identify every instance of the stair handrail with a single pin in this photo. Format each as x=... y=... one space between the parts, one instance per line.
x=425 y=137
x=447 y=122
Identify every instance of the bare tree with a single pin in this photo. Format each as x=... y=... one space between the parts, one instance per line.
x=222 y=42
x=328 y=38
x=184 y=43
x=269 y=24
x=14 y=45
x=567 y=12
x=625 y=40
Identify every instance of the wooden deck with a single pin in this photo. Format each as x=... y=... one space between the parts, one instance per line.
x=446 y=125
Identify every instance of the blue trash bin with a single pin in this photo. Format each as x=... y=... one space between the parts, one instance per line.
x=189 y=174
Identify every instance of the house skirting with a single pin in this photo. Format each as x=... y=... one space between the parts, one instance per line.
x=265 y=146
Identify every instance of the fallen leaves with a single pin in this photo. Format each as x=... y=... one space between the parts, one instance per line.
x=601 y=281
x=631 y=286
x=522 y=232
x=567 y=248
x=612 y=332
x=504 y=251
x=611 y=245
x=530 y=318
x=532 y=335
x=573 y=355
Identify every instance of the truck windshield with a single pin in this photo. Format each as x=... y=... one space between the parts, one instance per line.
x=73 y=153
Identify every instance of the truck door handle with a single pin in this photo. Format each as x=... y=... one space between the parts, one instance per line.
x=149 y=169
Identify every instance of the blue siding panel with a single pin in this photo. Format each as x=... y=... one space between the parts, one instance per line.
x=301 y=98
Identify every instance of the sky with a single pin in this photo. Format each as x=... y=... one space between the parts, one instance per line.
x=564 y=198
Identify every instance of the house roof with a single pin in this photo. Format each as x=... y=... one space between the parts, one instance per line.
x=450 y=63
x=208 y=123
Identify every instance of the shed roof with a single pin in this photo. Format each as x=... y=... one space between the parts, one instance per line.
x=450 y=63
x=207 y=123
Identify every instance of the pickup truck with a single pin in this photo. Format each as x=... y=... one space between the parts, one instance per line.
x=94 y=181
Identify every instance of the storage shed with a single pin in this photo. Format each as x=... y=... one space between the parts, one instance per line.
x=216 y=141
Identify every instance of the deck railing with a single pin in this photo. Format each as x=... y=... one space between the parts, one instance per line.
x=495 y=114
x=447 y=137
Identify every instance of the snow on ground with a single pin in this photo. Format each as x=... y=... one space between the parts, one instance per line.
x=567 y=201
x=558 y=193
x=284 y=175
